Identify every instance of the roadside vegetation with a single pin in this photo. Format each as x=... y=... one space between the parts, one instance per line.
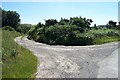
x=74 y=31
x=17 y=61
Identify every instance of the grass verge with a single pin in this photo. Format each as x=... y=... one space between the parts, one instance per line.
x=106 y=39
x=24 y=65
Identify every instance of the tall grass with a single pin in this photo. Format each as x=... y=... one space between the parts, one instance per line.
x=23 y=65
x=105 y=35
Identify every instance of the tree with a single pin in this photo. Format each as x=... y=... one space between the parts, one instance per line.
x=63 y=21
x=40 y=24
x=111 y=24
x=94 y=25
x=50 y=22
x=82 y=23
x=10 y=18
x=118 y=23
x=0 y=18
x=23 y=28
x=4 y=18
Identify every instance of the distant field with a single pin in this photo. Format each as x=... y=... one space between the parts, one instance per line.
x=21 y=64
x=105 y=35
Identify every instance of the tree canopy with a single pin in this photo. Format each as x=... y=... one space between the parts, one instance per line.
x=10 y=18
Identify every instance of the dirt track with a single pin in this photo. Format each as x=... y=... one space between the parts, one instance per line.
x=96 y=61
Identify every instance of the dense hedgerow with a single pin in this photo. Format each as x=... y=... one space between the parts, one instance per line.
x=69 y=35
x=72 y=32
x=23 y=28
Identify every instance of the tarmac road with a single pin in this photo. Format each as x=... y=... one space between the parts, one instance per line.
x=95 y=61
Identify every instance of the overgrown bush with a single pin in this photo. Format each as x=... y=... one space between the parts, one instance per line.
x=60 y=35
x=23 y=28
x=76 y=31
x=8 y=28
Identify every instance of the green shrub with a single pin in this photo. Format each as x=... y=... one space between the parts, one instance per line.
x=23 y=28
x=8 y=28
x=69 y=34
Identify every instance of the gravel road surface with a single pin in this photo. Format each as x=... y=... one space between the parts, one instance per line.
x=95 y=61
